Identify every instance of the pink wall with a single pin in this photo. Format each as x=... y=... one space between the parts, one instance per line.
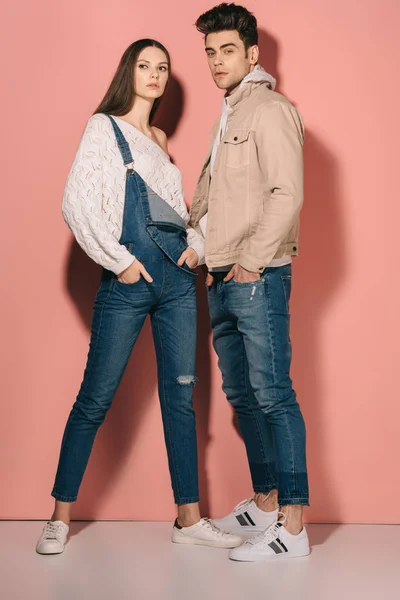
x=337 y=61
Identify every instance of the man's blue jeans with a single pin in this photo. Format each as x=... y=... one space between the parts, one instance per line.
x=250 y=324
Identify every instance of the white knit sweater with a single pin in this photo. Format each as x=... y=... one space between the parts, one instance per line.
x=94 y=196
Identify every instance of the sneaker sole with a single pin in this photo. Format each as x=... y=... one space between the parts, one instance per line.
x=50 y=553
x=263 y=558
x=181 y=539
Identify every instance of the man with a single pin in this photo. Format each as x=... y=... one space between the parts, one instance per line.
x=247 y=204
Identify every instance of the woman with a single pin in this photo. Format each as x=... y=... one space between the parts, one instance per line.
x=124 y=203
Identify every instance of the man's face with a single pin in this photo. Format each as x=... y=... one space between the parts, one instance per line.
x=228 y=60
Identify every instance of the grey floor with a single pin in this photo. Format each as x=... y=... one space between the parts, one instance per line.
x=132 y=560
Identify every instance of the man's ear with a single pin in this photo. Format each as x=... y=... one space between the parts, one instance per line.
x=254 y=55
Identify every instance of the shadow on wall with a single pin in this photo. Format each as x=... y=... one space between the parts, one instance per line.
x=317 y=277
x=116 y=437
x=171 y=108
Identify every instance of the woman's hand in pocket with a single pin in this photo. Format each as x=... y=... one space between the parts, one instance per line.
x=133 y=273
x=189 y=257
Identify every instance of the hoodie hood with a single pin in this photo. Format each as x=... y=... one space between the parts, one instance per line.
x=259 y=74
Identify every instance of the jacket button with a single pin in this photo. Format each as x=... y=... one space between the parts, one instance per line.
x=295 y=248
x=235 y=139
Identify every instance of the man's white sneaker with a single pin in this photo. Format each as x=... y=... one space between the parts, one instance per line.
x=247 y=517
x=273 y=544
x=53 y=538
x=204 y=533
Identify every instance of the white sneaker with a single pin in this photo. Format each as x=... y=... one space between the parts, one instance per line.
x=53 y=538
x=204 y=533
x=247 y=517
x=273 y=544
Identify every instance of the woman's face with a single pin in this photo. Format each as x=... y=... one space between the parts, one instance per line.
x=151 y=73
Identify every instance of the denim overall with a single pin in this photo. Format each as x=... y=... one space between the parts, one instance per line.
x=156 y=235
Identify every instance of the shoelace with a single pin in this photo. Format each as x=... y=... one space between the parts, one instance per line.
x=273 y=531
x=245 y=503
x=211 y=525
x=52 y=532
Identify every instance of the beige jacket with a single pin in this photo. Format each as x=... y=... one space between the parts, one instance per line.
x=254 y=197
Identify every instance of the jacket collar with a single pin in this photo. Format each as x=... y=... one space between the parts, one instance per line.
x=242 y=93
x=258 y=76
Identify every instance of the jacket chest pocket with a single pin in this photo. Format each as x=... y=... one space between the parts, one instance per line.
x=237 y=148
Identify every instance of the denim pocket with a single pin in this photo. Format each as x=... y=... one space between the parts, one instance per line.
x=287 y=289
x=129 y=247
x=130 y=284
x=244 y=283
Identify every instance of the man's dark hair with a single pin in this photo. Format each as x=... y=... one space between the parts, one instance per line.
x=230 y=17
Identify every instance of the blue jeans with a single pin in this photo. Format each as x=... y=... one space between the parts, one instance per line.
x=250 y=324
x=119 y=313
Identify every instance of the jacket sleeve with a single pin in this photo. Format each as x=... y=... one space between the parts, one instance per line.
x=82 y=202
x=279 y=140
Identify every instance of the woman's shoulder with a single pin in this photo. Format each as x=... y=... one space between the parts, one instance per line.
x=161 y=138
x=98 y=129
x=99 y=120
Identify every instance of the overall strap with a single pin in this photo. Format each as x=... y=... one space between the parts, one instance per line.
x=122 y=143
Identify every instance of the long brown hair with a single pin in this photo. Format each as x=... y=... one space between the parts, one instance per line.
x=119 y=97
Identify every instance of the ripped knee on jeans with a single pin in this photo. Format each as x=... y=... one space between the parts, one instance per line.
x=187 y=380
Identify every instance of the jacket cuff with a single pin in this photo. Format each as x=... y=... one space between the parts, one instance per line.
x=250 y=264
